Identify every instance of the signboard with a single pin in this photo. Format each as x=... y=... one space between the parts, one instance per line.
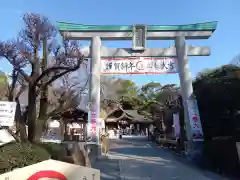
x=139 y=37
x=138 y=65
x=195 y=122
x=7 y=113
x=51 y=169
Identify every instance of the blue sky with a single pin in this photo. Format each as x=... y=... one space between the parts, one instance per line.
x=224 y=43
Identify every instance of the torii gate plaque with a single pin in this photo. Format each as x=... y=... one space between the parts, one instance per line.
x=139 y=57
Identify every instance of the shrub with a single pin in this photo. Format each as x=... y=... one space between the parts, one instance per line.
x=18 y=155
x=52 y=148
x=221 y=153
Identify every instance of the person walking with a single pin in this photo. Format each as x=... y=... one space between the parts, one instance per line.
x=120 y=133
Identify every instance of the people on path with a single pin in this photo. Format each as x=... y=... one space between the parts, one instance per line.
x=120 y=133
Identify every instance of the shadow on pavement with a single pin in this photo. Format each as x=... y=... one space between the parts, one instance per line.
x=153 y=159
x=108 y=167
x=206 y=172
x=139 y=150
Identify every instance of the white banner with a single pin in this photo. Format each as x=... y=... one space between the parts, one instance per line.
x=176 y=124
x=139 y=65
x=7 y=113
x=195 y=122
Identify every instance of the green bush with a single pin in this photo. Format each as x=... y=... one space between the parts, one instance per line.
x=221 y=153
x=18 y=155
x=52 y=148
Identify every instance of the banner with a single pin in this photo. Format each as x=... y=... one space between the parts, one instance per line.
x=93 y=122
x=138 y=65
x=176 y=124
x=94 y=103
x=195 y=122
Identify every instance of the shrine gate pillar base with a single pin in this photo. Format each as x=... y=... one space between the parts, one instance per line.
x=193 y=149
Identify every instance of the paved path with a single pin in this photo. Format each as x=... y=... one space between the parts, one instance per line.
x=141 y=160
x=109 y=168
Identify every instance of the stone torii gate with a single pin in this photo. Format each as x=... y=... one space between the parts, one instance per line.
x=139 y=34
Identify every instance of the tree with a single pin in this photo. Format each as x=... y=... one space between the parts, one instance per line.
x=217 y=93
x=168 y=94
x=155 y=93
x=66 y=96
x=149 y=90
x=116 y=88
x=67 y=58
x=10 y=91
x=109 y=95
x=3 y=86
x=148 y=93
x=115 y=93
x=61 y=99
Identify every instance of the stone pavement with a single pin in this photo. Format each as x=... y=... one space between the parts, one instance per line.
x=139 y=160
x=109 y=167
